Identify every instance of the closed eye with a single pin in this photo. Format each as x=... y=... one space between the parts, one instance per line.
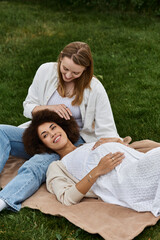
x=66 y=69
x=76 y=73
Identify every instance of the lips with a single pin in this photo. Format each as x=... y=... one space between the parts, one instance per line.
x=56 y=139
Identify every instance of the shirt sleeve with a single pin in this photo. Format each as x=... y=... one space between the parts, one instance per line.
x=32 y=99
x=62 y=185
x=104 y=120
x=40 y=86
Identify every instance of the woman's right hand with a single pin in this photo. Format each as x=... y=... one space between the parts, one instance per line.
x=61 y=109
x=109 y=162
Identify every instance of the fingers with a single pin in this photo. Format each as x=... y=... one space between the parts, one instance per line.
x=103 y=140
x=106 y=140
x=127 y=140
x=68 y=110
x=97 y=144
x=63 y=111
x=116 y=158
x=109 y=162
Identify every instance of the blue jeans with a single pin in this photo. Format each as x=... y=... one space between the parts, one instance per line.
x=30 y=175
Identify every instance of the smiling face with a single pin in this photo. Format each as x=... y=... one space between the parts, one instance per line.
x=52 y=135
x=70 y=70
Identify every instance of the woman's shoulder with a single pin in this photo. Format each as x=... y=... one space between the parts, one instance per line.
x=96 y=89
x=47 y=71
x=55 y=168
x=96 y=84
x=56 y=164
x=48 y=65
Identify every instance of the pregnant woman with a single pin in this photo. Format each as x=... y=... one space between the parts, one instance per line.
x=112 y=171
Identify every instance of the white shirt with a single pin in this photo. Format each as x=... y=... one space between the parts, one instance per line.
x=95 y=107
x=135 y=183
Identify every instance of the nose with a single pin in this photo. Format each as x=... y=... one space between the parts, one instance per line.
x=68 y=74
x=51 y=134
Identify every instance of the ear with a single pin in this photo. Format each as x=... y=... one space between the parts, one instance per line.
x=61 y=58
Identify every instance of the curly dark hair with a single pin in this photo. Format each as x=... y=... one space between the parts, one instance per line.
x=33 y=144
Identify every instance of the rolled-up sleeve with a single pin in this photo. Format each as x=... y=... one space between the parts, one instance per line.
x=97 y=114
x=104 y=120
x=32 y=100
x=62 y=185
x=42 y=87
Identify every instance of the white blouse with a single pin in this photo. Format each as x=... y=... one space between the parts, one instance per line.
x=135 y=183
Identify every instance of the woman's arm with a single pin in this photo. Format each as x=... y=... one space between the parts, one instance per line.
x=43 y=86
x=106 y=164
x=104 y=120
x=67 y=188
x=144 y=145
x=62 y=184
x=37 y=91
x=60 y=109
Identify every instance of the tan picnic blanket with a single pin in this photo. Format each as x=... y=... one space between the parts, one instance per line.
x=94 y=216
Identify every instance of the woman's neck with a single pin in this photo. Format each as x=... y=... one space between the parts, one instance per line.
x=69 y=89
x=69 y=147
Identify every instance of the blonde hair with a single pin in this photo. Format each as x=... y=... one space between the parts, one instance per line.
x=80 y=53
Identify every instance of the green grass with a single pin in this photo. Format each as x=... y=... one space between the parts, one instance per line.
x=34 y=225
x=125 y=49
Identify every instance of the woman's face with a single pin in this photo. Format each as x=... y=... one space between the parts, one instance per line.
x=52 y=135
x=70 y=70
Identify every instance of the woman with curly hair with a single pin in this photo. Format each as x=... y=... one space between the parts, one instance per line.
x=114 y=172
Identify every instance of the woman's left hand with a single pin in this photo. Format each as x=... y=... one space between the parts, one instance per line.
x=106 y=140
x=125 y=141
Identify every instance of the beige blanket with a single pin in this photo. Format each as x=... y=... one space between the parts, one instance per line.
x=94 y=216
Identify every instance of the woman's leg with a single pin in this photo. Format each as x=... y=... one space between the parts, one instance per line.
x=30 y=176
x=11 y=143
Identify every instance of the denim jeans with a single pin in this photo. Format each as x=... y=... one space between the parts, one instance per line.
x=30 y=175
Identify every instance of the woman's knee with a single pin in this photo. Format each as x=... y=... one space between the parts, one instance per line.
x=32 y=171
x=38 y=164
x=11 y=132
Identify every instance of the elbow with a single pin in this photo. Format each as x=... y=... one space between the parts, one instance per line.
x=67 y=201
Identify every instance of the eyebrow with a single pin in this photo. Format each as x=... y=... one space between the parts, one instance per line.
x=45 y=131
x=51 y=125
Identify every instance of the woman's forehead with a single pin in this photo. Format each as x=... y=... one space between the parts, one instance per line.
x=69 y=63
x=46 y=125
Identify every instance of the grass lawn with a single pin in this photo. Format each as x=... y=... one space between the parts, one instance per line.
x=126 y=50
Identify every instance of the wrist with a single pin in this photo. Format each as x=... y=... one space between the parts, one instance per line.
x=94 y=174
